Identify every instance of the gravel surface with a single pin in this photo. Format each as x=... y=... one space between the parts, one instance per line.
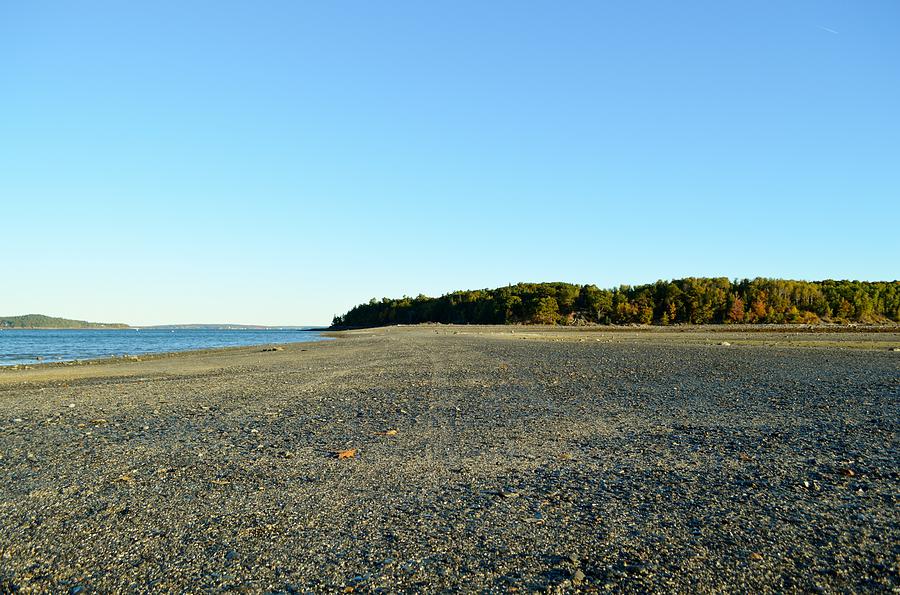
x=485 y=460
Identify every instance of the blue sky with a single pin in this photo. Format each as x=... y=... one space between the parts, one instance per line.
x=279 y=162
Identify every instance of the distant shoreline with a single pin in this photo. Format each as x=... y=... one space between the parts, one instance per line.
x=53 y=347
x=179 y=362
x=165 y=328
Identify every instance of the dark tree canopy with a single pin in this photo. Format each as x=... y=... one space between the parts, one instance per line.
x=692 y=300
x=41 y=321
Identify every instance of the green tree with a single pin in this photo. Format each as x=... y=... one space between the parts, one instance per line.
x=546 y=311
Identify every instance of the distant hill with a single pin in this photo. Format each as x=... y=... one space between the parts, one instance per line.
x=41 y=321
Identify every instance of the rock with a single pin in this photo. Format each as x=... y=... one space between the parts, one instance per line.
x=725 y=343
x=231 y=555
x=578 y=577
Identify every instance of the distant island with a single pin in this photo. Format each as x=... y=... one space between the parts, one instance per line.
x=38 y=321
x=693 y=300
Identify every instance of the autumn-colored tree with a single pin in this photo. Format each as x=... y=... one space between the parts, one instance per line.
x=845 y=309
x=809 y=318
x=736 y=312
x=758 y=307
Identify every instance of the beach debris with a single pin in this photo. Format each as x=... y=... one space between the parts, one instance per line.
x=387 y=433
x=756 y=556
x=725 y=343
x=276 y=348
x=503 y=493
x=346 y=454
x=124 y=478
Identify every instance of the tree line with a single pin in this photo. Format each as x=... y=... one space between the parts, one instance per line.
x=681 y=301
x=41 y=321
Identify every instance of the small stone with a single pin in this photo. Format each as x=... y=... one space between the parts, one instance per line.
x=725 y=343
x=578 y=577
x=231 y=555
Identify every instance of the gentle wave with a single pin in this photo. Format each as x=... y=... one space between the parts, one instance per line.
x=32 y=346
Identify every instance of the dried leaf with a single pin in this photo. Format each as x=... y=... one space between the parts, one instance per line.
x=125 y=478
x=346 y=454
x=756 y=556
x=387 y=433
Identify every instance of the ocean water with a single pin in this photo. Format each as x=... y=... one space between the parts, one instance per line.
x=25 y=346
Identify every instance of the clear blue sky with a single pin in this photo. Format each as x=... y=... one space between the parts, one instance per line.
x=278 y=162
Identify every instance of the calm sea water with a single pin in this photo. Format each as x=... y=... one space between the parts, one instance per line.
x=20 y=346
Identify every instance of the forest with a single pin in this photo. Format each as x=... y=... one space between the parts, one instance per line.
x=41 y=321
x=681 y=301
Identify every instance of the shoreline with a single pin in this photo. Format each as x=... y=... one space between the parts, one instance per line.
x=881 y=340
x=145 y=356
